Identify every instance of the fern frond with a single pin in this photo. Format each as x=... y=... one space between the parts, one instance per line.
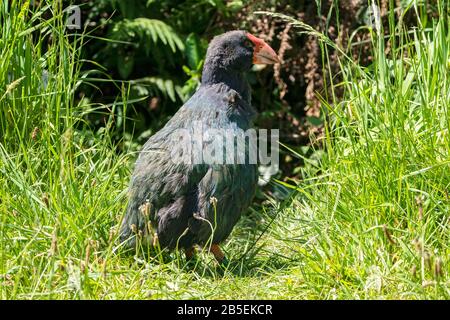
x=149 y=30
x=147 y=86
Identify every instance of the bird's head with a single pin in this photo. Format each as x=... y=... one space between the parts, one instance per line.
x=238 y=51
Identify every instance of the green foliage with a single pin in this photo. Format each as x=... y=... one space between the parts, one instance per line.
x=149 y=33
x=377 y=202
x=194 y=52
x=145 y=85
x=148 y=30
x=150 y=53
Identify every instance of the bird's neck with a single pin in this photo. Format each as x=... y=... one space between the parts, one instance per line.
x=215 y=74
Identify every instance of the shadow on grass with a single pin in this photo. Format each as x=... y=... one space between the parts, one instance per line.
x=258 y=260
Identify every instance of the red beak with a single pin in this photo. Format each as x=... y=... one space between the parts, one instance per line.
x=263 y=53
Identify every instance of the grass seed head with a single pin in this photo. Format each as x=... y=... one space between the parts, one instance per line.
x=388 y=235
x=414 y=271
x=45 y=199
x=438 y=272
x=34 y=133
x=155 y=240
x=213 y=201
x=145 y=209
x=54 y=243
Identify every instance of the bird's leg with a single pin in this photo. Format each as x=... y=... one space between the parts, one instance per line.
x=190 y=253
x=217 y=252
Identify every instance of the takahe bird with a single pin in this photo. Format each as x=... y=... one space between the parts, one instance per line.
x=180 y=205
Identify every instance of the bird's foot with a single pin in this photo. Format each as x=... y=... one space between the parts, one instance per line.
x=218 y=254
x=190 y=253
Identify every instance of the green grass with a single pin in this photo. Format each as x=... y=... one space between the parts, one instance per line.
x=369 y=220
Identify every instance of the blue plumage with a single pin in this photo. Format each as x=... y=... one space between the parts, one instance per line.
x=187 y=203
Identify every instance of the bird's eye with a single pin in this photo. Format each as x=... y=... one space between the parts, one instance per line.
x=248 y=43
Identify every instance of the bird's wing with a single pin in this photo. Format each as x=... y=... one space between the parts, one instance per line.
x=162 y=185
